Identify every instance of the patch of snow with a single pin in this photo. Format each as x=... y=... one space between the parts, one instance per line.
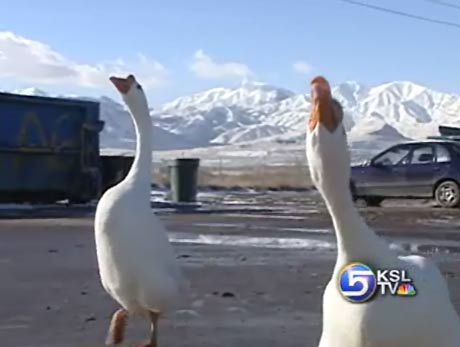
x=258 y=242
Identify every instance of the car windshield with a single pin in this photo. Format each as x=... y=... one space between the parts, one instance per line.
x=395 y=156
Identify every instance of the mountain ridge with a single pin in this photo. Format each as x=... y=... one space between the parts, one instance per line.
x=256 y=111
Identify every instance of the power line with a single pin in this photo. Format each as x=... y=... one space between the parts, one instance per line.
x=404 y=14
x=445 y=3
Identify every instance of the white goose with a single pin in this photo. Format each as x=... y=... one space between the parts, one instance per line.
x=425 y=320
x=137 y=264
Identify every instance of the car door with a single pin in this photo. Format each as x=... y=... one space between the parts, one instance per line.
x=443 y=162
x=385 y=175
x=421 y=171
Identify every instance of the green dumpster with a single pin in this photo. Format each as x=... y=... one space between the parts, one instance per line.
x=184 y=179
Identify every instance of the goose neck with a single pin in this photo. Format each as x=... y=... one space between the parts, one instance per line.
x=355 y=240
x=141 y=169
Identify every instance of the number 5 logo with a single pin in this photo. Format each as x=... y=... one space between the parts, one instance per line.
x=355 y=277
x=357 y=282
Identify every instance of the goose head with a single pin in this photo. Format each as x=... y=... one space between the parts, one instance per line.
x=326 y=142
x=132 y=94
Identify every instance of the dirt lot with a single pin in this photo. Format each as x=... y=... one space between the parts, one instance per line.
x=257 y=264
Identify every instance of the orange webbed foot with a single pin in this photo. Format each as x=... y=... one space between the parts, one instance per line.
x=116 y=331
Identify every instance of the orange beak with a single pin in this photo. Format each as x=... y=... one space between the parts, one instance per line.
x=322 y=109
x=123 y=84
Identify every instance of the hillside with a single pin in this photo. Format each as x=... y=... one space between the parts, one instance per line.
x=255 y=115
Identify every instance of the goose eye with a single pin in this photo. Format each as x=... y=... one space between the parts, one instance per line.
x=139 y=87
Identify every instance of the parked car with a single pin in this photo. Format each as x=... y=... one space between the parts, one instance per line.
x=418 y=169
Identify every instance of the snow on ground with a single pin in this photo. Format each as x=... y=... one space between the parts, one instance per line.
x=248 y=241
x=310 y=242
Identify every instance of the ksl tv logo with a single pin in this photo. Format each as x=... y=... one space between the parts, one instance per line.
x=359 y=283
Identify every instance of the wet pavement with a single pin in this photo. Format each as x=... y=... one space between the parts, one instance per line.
x=257 y=264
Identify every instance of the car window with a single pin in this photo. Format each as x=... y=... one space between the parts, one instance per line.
x=423 y=155
x=442 y=154
x=456 y=148
x=394 y=156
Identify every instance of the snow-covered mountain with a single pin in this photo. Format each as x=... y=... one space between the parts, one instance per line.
x=254 y=112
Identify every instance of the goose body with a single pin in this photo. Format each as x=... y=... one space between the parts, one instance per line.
x=137 y=265
x=425 y=320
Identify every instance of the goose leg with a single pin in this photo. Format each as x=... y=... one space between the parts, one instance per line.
x=153 y=342
x=154 y=328
x=116 y=331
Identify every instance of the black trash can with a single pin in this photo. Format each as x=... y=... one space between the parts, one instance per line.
x=184 y=179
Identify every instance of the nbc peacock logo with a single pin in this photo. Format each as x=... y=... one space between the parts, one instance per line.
x=406 y=289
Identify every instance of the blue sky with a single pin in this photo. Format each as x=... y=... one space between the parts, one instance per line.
x=181 y=47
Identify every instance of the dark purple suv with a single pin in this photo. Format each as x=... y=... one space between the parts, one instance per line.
x=423 y=169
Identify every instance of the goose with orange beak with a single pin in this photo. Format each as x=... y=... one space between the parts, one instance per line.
x=137 y=264
x=427 y=319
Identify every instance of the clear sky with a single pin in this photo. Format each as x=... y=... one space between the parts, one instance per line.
x=180 y=47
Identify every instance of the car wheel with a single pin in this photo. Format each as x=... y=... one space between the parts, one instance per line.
x=447 y=194
x=373 y=201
